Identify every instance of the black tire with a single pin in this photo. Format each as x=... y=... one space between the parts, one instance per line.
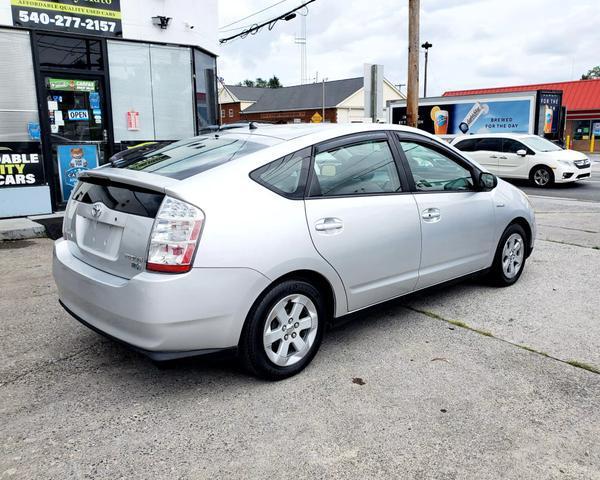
x=496 y=274
x=251 y=350
x=541 y=176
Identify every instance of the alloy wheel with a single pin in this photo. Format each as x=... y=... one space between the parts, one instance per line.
x=513 y=253
x=541 y=177
x=290 y=330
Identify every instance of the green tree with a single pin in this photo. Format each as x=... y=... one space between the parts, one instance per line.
x=592 y=73
x=274 y=82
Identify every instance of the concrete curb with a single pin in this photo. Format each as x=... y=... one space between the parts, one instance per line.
x=20 y=229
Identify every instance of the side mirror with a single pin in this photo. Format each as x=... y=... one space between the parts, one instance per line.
x=521 y=153
x=487 y=181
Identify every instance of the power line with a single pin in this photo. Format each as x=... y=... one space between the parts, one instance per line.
x=254 y=29
x=252 y=14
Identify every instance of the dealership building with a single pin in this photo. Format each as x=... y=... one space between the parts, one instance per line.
x=580 y=99
x=83 y=79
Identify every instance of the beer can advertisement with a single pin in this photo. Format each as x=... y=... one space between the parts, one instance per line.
x=72 y=160
x=471 y=117
x=21 y=164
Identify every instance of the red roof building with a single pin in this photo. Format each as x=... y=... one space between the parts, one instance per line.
x=582 y=99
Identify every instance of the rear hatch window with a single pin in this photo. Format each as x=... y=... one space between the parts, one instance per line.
x=185 y=158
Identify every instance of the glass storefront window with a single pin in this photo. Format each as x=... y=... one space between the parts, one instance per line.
x=206 y=69
x=581 y=130
x=596 y=128
x=69 y=52
x=131 y=90
x=171 y=69
x=151 y=90
x=18 y=101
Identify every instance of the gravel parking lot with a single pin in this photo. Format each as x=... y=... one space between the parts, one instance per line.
x=461 y=382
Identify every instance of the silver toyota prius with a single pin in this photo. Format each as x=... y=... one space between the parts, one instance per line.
x=256 y=238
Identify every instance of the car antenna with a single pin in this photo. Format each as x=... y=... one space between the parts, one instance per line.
x=252 y=126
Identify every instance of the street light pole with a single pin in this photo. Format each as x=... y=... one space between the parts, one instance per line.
x=426 y=46
x=412 y=89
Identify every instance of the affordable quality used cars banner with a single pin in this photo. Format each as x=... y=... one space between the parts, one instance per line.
x=21 y=164
x=89 y=17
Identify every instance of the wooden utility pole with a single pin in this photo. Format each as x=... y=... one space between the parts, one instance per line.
x=412 y=89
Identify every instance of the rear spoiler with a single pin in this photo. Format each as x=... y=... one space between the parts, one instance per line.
x=149 y=181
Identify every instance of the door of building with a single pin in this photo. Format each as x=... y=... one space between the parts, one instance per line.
x=77 y=128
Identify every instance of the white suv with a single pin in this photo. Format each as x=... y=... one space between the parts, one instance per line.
x=525 y=156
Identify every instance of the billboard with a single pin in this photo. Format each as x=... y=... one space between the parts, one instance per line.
x=479 y=116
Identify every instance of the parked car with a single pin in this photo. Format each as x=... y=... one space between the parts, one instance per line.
x=256 y=239
x=526 y=157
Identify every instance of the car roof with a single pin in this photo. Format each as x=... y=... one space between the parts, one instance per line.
x=292 y=131
x=515 y=136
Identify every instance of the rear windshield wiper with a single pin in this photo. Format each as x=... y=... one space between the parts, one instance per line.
x=131 y=155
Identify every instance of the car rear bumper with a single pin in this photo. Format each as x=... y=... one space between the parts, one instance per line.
x=163 y=315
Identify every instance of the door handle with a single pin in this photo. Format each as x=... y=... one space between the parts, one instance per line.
x=431 y=215
x=328 y=224
x=493 y=156
x=502 y=158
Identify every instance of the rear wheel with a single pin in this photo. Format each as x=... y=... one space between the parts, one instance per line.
x=542 y=176
x=510 y=257
x=283 y=330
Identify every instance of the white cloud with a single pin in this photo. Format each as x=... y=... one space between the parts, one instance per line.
x=480 y=43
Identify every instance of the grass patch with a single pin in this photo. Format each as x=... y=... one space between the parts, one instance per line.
x=482 y=332
x=585 y=366
x=458 y=323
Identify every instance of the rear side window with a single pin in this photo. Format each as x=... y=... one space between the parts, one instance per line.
x=287 y=175
x=183 y=159
x=361 y=168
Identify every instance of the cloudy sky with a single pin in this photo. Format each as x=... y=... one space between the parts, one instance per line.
x=476 y=43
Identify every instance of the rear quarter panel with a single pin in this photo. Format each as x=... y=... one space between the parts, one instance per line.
x=249 y=226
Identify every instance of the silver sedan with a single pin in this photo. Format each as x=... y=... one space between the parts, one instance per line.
x=256 y=238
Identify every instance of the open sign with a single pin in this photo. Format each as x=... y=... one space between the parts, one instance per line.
x=78 y=115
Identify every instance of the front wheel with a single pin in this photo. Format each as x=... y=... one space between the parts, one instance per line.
x=542 y=176
x=510 y=257
x=283 y=330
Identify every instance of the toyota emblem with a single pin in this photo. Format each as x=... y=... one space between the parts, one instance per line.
x=96 y=210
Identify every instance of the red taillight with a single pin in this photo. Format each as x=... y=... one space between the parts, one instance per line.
x=174 y=237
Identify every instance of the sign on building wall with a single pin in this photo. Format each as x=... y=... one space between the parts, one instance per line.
x=72 y=160
x=549 y=105
x=89 y=17
x=21 y=164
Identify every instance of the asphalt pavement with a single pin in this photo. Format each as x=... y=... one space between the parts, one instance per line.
x=461 y=382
